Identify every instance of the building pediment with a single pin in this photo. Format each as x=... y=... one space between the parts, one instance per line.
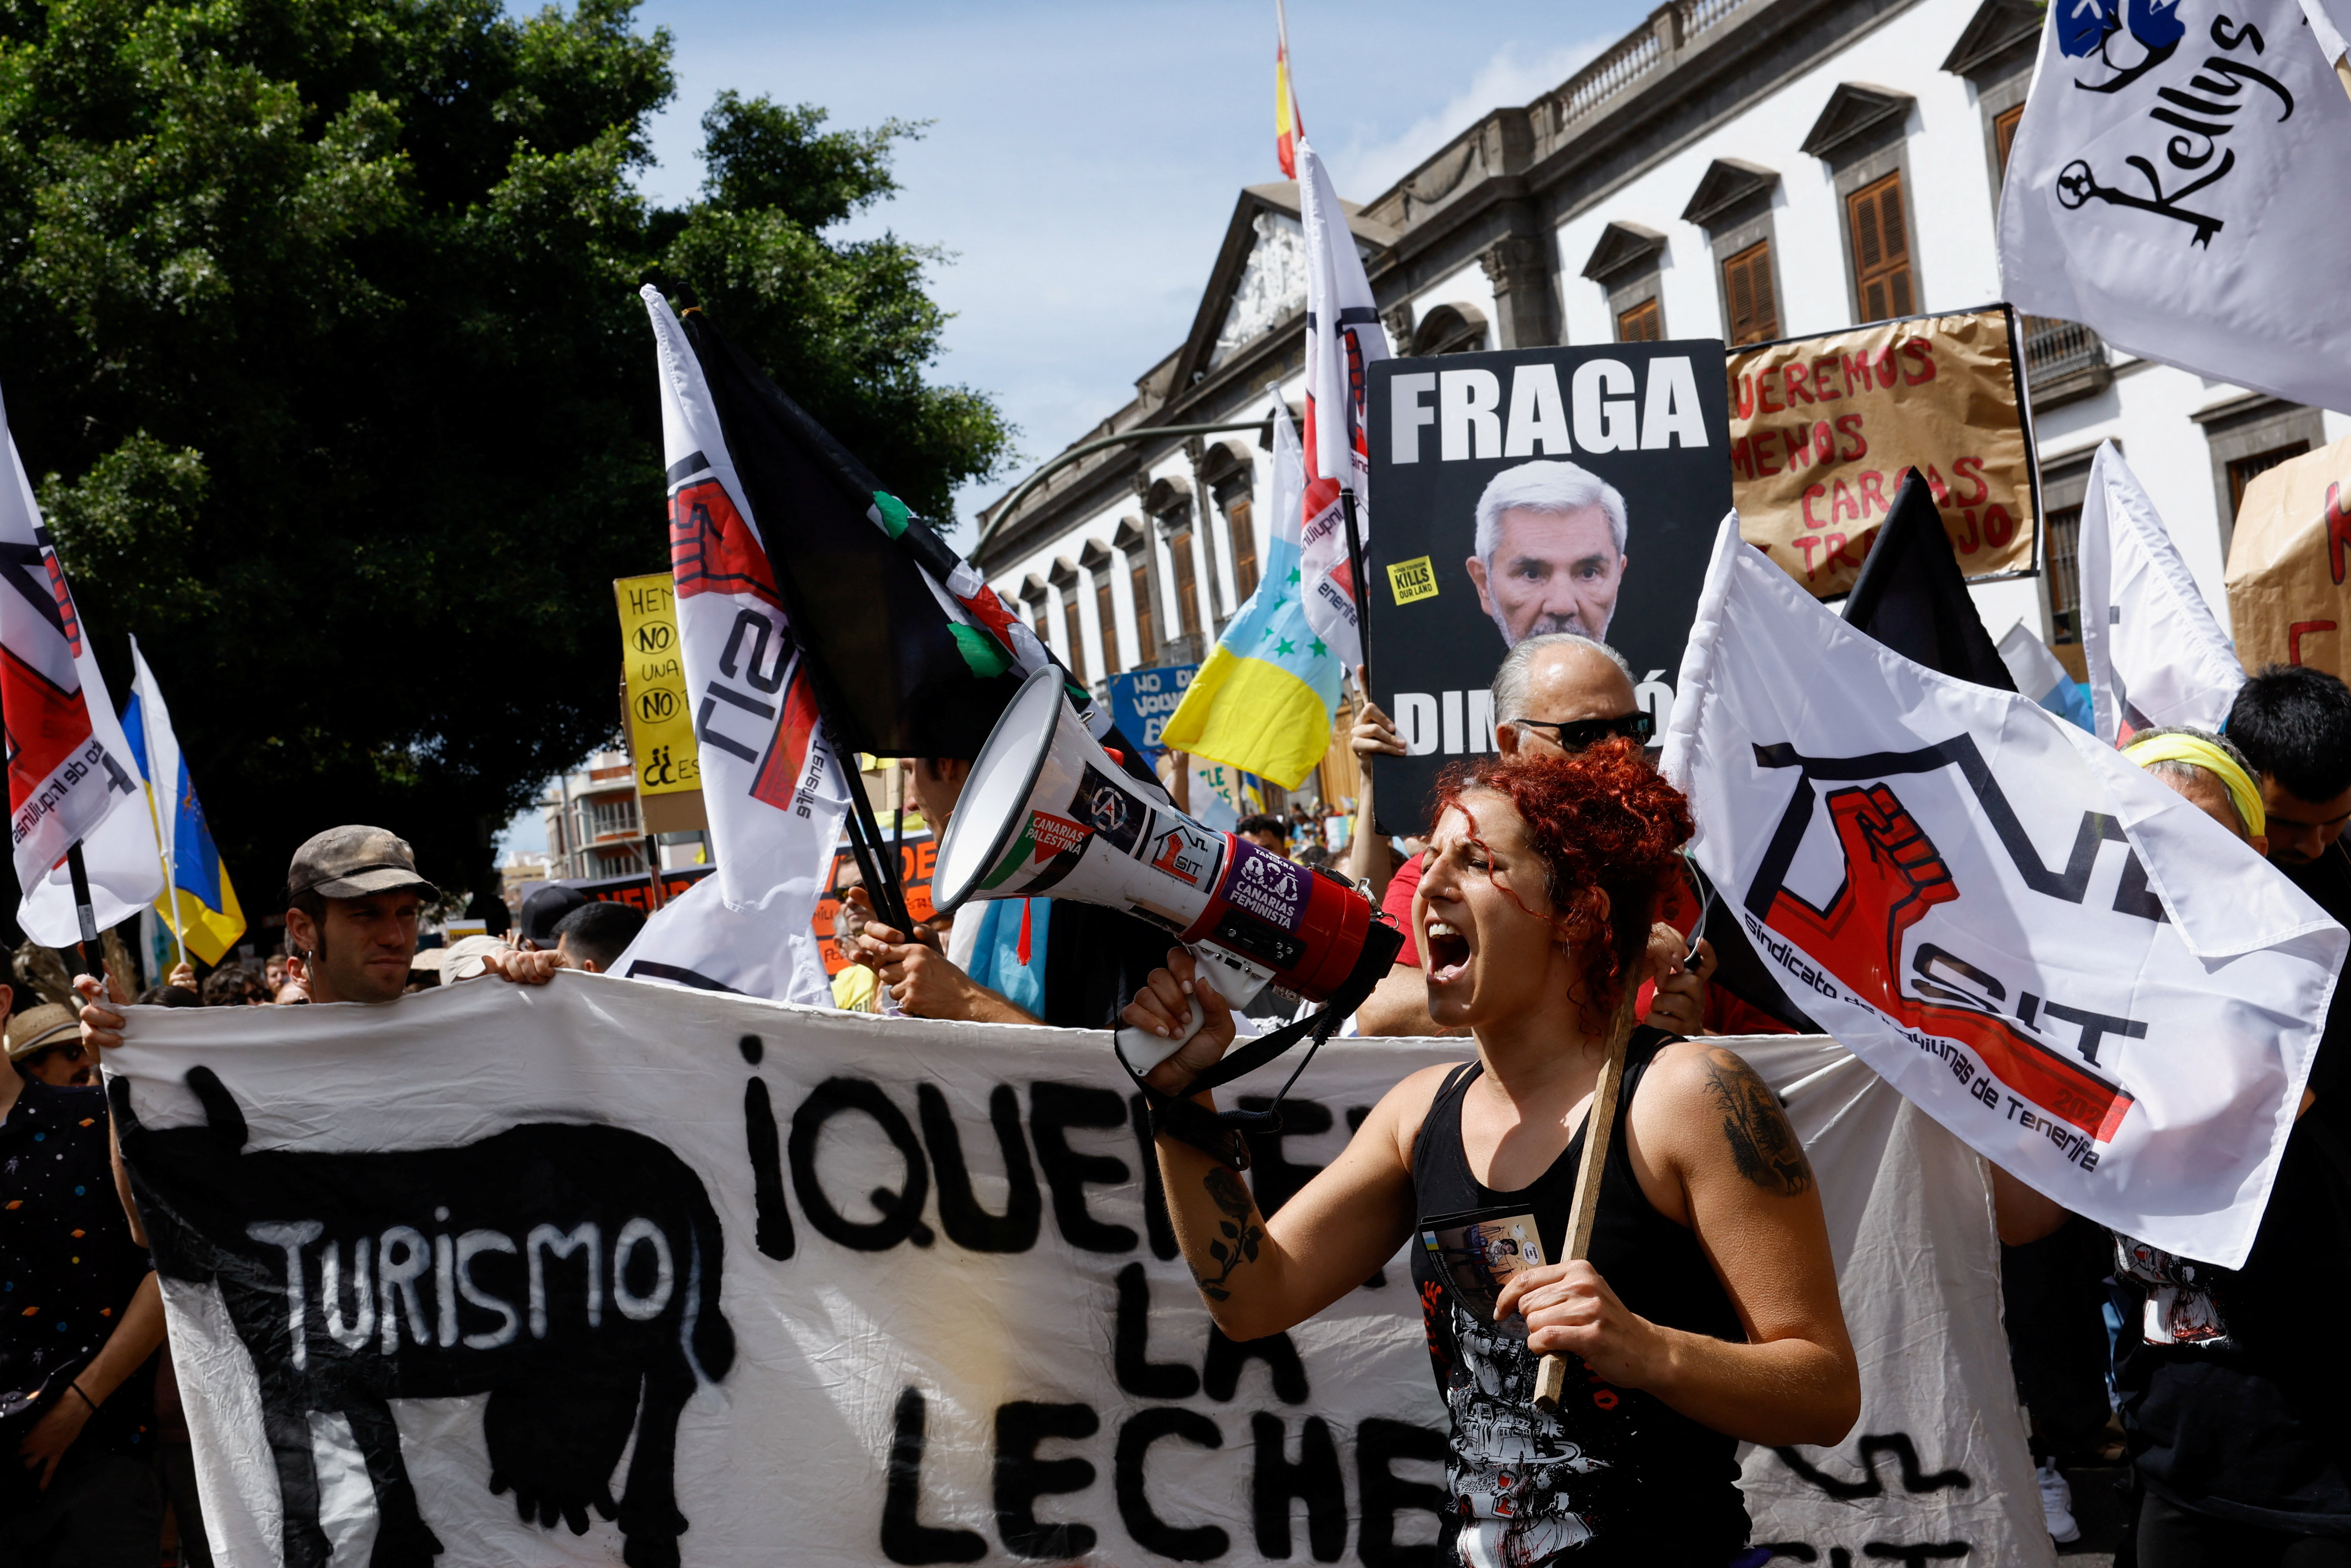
x=1623 y=248
x=1728 y=184
x=1997 y=27
x=1854 y=108
x=1259 y=282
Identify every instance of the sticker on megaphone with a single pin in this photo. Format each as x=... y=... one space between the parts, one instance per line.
x=1044 y=810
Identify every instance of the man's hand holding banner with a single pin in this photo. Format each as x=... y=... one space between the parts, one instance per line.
x=2068 y=965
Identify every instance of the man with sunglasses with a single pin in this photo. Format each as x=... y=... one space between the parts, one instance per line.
x=1555 y=694
x=45 y=1044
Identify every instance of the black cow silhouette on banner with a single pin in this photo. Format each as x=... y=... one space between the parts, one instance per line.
x=571 y=1273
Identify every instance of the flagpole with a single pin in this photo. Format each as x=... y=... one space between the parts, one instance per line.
x=75 y=868
x=1363 y=583
x=149 y=708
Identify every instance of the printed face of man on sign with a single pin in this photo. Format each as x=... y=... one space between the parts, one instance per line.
x=1549 y=553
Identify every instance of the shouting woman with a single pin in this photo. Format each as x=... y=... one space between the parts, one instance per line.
x=1705 y=1313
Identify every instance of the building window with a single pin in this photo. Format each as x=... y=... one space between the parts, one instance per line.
x=617 y=814
x=1107 y=618
x=2003 y=134
x=1752 y=310
x=1643 y=323
x=2241 y=471
x=1188 y=581
x=1881 y=250
x=1244 y=550
x=1139 y=580
x=2063 y=556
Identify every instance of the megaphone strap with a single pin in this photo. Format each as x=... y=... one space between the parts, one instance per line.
x=1222 y=1134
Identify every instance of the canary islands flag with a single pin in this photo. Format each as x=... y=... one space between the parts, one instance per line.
x=1264 y=700
x=198 y=900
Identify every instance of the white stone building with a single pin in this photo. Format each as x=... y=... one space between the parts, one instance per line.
x=1742 y=169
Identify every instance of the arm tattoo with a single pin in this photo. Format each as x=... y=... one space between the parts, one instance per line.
x=1762 y=1144
x=1241 y=1233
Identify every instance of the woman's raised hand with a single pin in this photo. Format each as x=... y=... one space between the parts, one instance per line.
x=1163 y=1008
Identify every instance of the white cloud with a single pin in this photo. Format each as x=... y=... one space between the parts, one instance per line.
x=1513 y=77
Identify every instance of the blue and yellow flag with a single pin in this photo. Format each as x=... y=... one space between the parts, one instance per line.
x=199 y=902
x=1263 y=702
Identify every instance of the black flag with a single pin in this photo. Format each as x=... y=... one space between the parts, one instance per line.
x=1911 y=597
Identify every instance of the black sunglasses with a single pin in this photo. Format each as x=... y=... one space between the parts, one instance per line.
x=1577 y=734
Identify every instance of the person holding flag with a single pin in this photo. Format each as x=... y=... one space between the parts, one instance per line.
x=199 y=902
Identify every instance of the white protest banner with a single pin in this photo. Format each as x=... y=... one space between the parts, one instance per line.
x=2166 y=187
x=847 y=1290
x=2095 y=984
x=70 y=771
x=2155 y=653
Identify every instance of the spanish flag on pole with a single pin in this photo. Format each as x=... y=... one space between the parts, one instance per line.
x=1286 y=127
x=1264 y=700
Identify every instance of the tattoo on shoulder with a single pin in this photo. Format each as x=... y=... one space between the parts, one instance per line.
x=1762 y=1144
x=1241 y=1233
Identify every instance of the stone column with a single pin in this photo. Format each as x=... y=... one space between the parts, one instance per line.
x=1526 y=310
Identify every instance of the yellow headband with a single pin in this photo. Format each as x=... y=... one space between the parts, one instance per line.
x=2202 y=753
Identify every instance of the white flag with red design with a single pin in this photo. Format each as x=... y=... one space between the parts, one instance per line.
x=2073 y=968
x=71 y=777
x=1343 y=335
x=773 y=790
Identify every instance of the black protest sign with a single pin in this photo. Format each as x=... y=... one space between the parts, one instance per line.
x=1573 y=489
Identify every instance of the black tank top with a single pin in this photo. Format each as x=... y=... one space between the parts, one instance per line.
x=1617 y=1477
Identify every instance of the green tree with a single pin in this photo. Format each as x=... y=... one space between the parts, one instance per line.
x=319 y=319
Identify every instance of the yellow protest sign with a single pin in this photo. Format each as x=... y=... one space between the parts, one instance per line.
x=1823 y=428
x=1412 y=581
x=661 y=724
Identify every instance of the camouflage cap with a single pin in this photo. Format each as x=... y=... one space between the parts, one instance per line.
x=352 y=863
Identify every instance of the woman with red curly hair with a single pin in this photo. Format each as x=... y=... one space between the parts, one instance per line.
x=1706 y=1311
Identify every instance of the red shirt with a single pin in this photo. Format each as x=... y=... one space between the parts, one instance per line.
x=1725 y=1014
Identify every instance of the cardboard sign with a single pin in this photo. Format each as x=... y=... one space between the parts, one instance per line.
x=2287 y=602
x=1822 y=429
x=1531 y=491
x=661 y=721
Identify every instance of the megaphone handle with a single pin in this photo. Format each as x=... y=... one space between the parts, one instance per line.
x=1145 y=1052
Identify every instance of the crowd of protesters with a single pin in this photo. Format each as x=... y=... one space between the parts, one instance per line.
x=2217 y=1385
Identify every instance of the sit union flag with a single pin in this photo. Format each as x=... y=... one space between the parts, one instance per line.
x=2071 y=967
x=773 y=791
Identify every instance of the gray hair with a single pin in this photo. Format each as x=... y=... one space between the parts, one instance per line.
x=1511 y=676
x=2188 y=772
x=1544 y=485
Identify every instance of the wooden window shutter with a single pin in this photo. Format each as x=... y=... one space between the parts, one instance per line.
x=1753 y=309
x=2003 y=134
x=1881 y=250
x=1644 y=323
x=1140 y=581
x=1187 y=583
x=1106 y=617
x=1244 y=550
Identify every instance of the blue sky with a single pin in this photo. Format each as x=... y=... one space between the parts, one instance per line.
x=1082 y=160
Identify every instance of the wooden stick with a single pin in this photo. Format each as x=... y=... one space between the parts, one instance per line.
x=1599 y=1129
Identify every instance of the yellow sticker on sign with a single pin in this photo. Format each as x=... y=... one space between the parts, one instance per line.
x=1413 y=580
x=660 y=725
